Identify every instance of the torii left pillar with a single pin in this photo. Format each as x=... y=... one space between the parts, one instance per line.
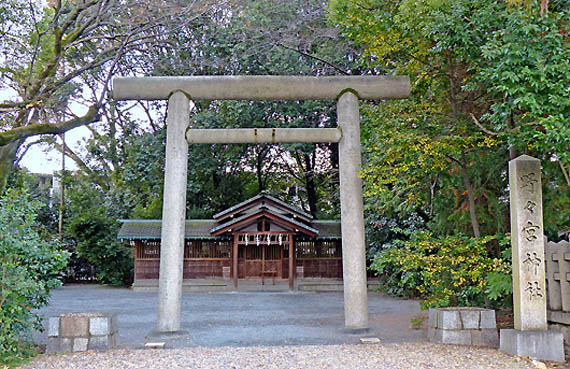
x=173 y=214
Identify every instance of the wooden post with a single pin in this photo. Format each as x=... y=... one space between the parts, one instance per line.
x=281 y=263
x=245 y=258
x=291 y=263
x=235 y=261
x=263 y=264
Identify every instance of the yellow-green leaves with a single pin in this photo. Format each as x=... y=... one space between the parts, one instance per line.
x=446 y=271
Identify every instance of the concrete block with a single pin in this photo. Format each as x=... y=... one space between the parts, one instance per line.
x=431 y=334
x=476 y=337
x=53 y=345
x=370 y=340
x=80 y=344
x=448 y=319
x=470 y=318
x=484 y=337
x=490 y=337
x=559 y=317
x=99 y=343
x=457 y=337
x=100 y=325
x=155 y=345
x=53 y=327
x=432 y=318
x=114 y=324
x=488 y=319
x=565 y=330
x=65 y=344
x=542 y=345
x=74 y=325
x=437 y=336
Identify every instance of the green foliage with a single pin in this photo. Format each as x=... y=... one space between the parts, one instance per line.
x=445 y=271
x=96 y=239
x=30 y=267
x=490 y=81
x=487 y=77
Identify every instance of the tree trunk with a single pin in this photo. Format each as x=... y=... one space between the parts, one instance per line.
x=259 y=171
x=470 y=196
x=310 y=184
x=7 y=159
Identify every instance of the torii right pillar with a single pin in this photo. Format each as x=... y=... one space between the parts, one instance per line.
x=351 y=214
x=531 y=336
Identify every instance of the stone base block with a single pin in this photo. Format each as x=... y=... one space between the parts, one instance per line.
x=544 y=345
x=474 y=337
x=103 y=342
x=463 y=326
x=565 y=330
x=76 y=332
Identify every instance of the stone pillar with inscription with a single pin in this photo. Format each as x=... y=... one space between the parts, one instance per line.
x=530 y=336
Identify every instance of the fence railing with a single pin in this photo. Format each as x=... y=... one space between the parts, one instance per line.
x=558 y=275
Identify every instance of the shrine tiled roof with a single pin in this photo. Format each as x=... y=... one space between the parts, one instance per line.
x=200 y=228
x=258 y=200
x=259 y=212
x=327 y=228
x=151 y=228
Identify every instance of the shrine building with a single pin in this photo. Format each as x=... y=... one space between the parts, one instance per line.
x=261 y=238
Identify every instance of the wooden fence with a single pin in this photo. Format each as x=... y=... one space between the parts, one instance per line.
x=558 y=275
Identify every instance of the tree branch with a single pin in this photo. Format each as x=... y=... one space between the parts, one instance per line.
x=565 y=172
x=490 y=133
x=314 y=57
x=48 y=128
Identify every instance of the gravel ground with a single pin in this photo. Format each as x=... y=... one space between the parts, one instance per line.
x=240 y=319
x=414 y=355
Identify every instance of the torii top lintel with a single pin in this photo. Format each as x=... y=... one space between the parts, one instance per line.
x=261 y=87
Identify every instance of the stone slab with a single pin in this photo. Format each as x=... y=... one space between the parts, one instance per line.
x=432 y=318
x=485 y=337
x=457 y=337
x=53 y=327
x=370 y=340
x=65 y=344
x=543 y=345
x=102 y=325
x=74 y=325
x=53 y=345
x=565 y=330
x=154 y=345
x=448 y=319
x=488 y=319
x=103 y=342
x=559 y=317
x=80 y=344
x=470 y=318
x=99 y=326
x=431 y=334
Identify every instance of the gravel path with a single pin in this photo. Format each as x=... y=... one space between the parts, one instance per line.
x=414 y=355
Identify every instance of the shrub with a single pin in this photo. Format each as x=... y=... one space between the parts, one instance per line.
x=446 y=271
x=97 y=242
x=30 y=267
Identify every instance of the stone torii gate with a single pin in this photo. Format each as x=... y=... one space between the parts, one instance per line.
x=347 y=90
